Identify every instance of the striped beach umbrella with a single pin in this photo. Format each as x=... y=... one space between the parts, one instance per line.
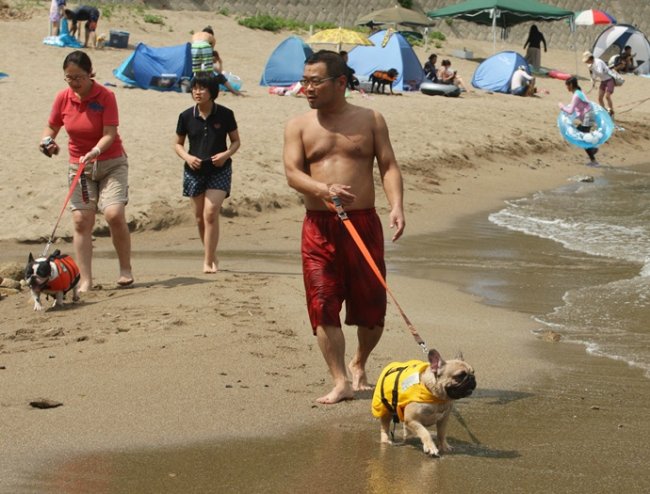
x=592 y=17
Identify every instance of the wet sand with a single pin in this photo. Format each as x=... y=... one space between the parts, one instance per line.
x=554 y=420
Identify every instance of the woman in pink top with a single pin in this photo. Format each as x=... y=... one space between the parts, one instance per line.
x=88 y=112
x=581 y=107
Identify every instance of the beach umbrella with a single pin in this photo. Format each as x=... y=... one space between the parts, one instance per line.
x=396 y=15
x=338 y=37
x=592 y=17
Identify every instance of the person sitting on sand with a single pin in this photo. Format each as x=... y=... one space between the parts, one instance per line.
x=208 y=165
x=353 y=82
x=84 y=13
x=217 y=71
x=448 y=76
x=626 y=63
x=202 y=47
x=522 y=83
x=430 y=69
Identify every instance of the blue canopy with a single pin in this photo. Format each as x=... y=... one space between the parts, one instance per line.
x=495 y=73
x=156 y=68
x=391 y=51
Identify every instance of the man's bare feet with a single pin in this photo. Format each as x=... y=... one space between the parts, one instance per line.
x=210 y=268
x=338 y=394
x=359 y=378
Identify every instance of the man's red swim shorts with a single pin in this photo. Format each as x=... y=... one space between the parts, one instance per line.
x=334 y=269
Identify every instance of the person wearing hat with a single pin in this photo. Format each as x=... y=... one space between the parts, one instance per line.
x=599 y=70
x=522 y=83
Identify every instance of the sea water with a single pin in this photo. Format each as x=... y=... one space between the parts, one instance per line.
x=576 y=258
x=609 y=218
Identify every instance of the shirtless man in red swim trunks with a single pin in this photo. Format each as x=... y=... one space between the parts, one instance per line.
x=330 y=151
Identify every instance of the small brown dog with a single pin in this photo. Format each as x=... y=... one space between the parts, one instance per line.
x=422 y=394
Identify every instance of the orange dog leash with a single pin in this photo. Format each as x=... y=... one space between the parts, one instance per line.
x=337 y=207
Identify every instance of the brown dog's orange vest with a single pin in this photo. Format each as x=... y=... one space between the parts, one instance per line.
x=383 y=75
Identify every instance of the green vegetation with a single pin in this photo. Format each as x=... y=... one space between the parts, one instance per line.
x=154 y=19
x=266 y=22
x=106 y=10
x=416 y=39
x=224 y=11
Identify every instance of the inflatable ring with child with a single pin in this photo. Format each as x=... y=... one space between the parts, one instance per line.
x=601 y=131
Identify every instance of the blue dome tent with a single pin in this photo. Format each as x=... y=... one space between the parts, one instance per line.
x=494 y=73
x=156 y=68
x=391 y=51
x=285 y=65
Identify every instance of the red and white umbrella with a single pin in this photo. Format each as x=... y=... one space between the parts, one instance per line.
x=593 y=16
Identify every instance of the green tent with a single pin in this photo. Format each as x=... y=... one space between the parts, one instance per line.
x=502 y=13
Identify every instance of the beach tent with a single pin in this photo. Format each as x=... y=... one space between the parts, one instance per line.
x=494 y=73
x=63 y=40
x=285 y=65
x=156 y=68
x=613 y=39
x=390 y=51
x=503 y=13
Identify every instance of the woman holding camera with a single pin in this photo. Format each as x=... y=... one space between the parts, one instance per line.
x=88 y=112
x=207 y=172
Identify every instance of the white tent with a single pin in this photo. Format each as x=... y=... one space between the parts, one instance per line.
x=613 y=39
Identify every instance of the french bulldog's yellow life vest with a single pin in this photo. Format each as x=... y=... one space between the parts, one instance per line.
x=398 y=385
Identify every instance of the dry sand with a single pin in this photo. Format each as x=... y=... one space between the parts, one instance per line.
x=184 y=358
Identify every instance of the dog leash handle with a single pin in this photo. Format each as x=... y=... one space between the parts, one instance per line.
x=338 y=206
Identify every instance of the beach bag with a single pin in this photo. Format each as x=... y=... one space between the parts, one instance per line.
x=618 y=78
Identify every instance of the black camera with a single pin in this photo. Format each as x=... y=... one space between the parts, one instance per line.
x=45 y=144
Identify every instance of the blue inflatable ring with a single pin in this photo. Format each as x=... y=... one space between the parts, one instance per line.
x=600 y=132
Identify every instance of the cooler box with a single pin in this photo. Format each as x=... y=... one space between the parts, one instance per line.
x=118 y=39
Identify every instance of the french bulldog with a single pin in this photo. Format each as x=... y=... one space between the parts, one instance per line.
x=383 y=78
x=54 y=275
x=421 y=394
